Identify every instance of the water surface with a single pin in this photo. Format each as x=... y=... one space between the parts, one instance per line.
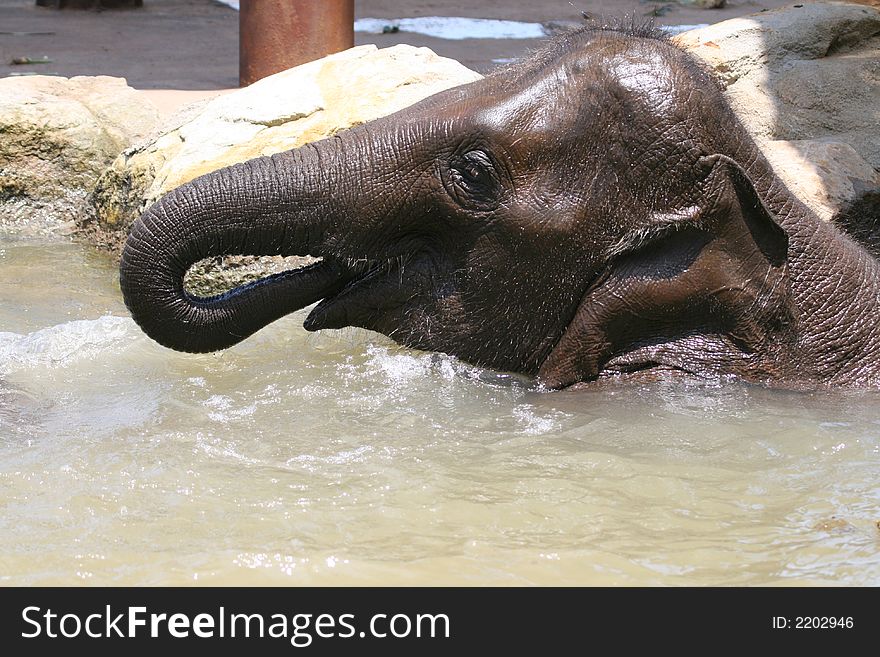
x=340 y=458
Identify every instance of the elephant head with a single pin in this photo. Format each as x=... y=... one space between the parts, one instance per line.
x=594 y=210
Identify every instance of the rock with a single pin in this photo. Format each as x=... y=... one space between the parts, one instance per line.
x=804 y=72
x=221 y=274
x=277 y=113
x=58 y=135
x=827 y=176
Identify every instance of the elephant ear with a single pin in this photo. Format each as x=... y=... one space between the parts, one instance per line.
x=697 y=286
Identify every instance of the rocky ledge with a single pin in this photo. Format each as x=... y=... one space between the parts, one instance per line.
x=57 y=136
x=805 y=80
x=284 y=111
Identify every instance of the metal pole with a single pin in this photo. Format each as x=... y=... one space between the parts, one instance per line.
x=277 y=34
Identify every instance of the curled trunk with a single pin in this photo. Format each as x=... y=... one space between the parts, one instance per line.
x=261 y=207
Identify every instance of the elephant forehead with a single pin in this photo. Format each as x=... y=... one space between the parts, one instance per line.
x=580 y=90
x=645 y=75
x=535 y=106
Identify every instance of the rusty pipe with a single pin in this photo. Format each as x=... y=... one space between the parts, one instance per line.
x=275 y=35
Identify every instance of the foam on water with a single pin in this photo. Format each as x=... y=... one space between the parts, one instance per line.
x=65 y=344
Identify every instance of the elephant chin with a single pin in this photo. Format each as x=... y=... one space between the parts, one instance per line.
x=372 y=292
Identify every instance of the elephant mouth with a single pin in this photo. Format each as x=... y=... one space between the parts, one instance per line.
x=361 y=292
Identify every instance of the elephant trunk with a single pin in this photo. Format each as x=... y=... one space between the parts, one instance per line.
x=275 y=205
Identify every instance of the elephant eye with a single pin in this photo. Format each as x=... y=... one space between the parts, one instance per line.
x=474 y=170
x=474 y=179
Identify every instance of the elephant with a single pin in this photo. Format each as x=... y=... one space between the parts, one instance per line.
x=595 y=212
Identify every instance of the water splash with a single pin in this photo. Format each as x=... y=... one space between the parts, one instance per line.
x=65 y=344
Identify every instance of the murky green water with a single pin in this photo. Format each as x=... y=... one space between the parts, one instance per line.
x=340 y=458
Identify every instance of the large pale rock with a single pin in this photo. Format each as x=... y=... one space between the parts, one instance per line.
x=283 y=111
x=807 y=75
x=56 y=137
x=826 y=175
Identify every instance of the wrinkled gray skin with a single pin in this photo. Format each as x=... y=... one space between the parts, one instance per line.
x=596 y=211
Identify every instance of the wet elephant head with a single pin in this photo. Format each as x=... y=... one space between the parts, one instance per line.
x=594 y=210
